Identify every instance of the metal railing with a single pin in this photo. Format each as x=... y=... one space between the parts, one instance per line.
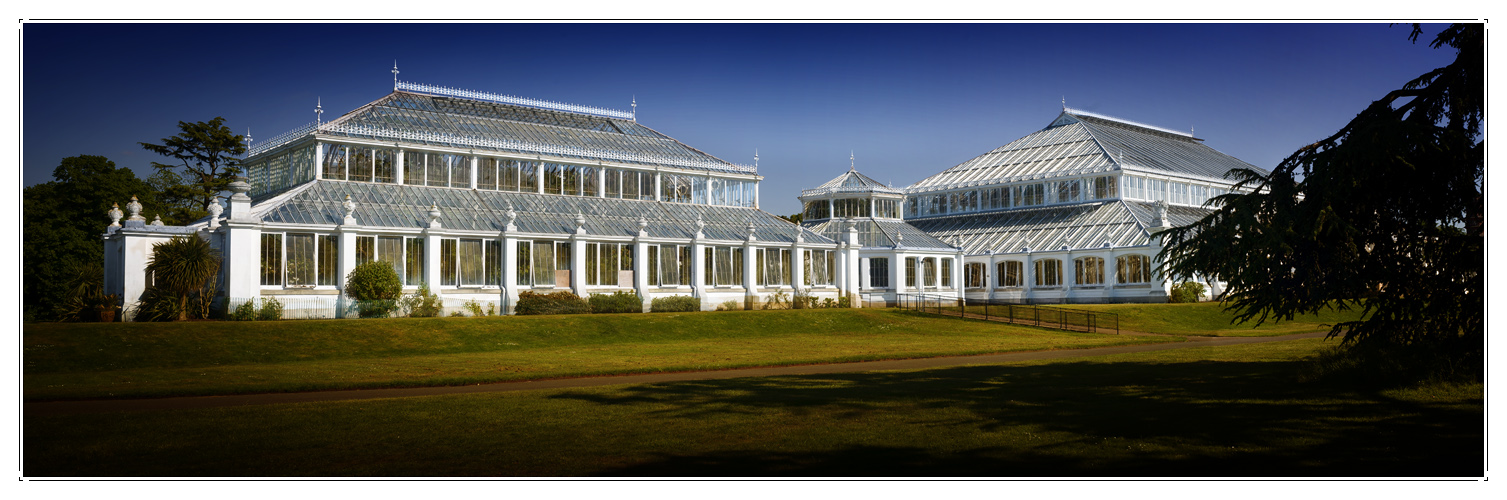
x=1060 y=318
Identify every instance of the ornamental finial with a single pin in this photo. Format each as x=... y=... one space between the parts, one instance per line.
x=395 y=74
x=1161 y=213
x=635 y=108
x=756 y=157
x=248 y=138
x=135 y=208
x=114 y=214
x=157 y=220
x=642 y=223
x=318 y=109
x=349 y=205
x=580 y=223
x=434 y=214
x=751 y=228
x=214 y=210
x=851 y=163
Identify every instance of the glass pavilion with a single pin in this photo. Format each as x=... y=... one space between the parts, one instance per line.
x=483 y=196
x=1068 y=213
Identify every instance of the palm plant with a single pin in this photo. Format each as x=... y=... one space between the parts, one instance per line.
x=182 y=266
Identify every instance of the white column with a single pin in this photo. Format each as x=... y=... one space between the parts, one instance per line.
x=698 y=272
x=601 y=182
x=578 y=265
x=318 y=161
x=432 y=259
x=398 y=166
x=657 y=188
x=509 y=272
x=641 y=270
x=243 y=260
x=475 y=164
x=750 y=273
x=797 y=271
x=347 y=263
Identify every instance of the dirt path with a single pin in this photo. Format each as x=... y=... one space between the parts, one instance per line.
x=194 y=402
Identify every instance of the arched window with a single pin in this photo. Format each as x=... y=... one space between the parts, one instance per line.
x=1088 y=271
x=973 y=275
x=1049 y=272
x=1133 y=269
x=1011 y=274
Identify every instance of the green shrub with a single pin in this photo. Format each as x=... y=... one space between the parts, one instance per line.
x=554 y=303
x=422 y=304
x=1186 y=292
x=157 y=304
x=457 y=314
x=675 y=303
x=778 y=300
x=475 y=308
x=618 y=302
x=376 y=288
x=272 y=310
x=184 y=267
x=244 y=312
x=802 y=300
x=731 y=305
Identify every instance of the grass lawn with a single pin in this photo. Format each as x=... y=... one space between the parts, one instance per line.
x=82 y=360
x=1210 y=318
x=1207 y=411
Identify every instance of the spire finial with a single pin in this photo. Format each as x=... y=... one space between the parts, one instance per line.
x=635 y=108
x=1064 y=102
x=756 y=157
x=395 y=74
x=248 y=138
x=318 y=109
x=851 y=163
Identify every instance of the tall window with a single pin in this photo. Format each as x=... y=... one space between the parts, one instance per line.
x=1133 y=269
x=946 y=273
x=1104 y=187
x=773 y=266
x=486 y=173
x=929 y=271
x=724 y=266
x=436 y=171
x=670 y=265
x=334 y=161
x=602 y=264
x=553 y=184
x=413 y=168
x=460 y=170
x=447 y=262
x=1048 y=272
x=1068 y=191
x=910 y=272
x=301 y=262
x=494 y=263
x=562 y=263
x=413 y=262
x=382 y=165
x=1088 y=271
x=537 y=263
x=272 y=259
x=472 y=263
x=390 y=250
x=973 y=275
x=366 y=249
x=879 y=272
x=818 y=267
x=329 y=259
x=1011 y=273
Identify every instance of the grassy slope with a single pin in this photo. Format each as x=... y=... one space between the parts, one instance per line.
x=1227 y=411
x=154 y=359
x=1210 y=318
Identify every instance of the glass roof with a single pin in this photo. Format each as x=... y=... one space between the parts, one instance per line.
x=1087 y=225
x=456 y=122
x=850 y=182
x=1081 y=143
x=880 y=233
x=407 y=206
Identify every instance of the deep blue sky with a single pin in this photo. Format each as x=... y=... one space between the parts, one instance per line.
x=909 y=99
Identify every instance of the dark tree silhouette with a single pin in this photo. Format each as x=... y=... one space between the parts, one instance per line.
x=1384 y=215
x=208 y=155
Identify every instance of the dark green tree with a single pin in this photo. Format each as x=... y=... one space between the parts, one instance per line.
x=207 y=156
x=183 y=267
x=62 y=222
x=1384 y=215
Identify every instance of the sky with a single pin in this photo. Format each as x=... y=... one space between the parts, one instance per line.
x=906 y=100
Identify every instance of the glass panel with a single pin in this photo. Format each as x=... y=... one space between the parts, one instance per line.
x=608 y=264
x=592 y=268
x=382 y=170
x=486 y=173
x=785 y=268
x=524 y=263
x=910 y=272
x=471 y=263
x=447 y=261
x=300 y=259
x=272 y=259
x=725 y=266
x=552 y=177
x=436 y=172
x=685 y=265
x=366 y=249
x=413 y=262
x=390 y=250
x=413 y=168
x=614 y=183
x=737 y=268
x=571 y=180
x=589 y=181
x=698 y=190
x=509 y=174
x=669 y=265
x=946 y=273
x=334 y=161
x=879 y=272
x=460 y=170
x=562 y=258
x=929 y=271
x=544 y=263
x=494 y=262
x=646 y=186
x=528 y=176
x=652 y=263
x=361 y=164
x=329 y=259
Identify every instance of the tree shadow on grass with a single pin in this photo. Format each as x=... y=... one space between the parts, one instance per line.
x=1187 y=419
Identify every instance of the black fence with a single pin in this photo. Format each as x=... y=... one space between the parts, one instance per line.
x=1061 y=318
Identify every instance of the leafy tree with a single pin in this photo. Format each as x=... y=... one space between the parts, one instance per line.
x=376 y=288
x=207 y=154
x=183 y=266
x=62 y=221
x=1385 y=215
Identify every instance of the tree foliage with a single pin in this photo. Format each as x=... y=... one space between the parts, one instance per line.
x=1385 y=215
x=376 y=288
x=183 y=267
x=61 y=227
x=206 y=156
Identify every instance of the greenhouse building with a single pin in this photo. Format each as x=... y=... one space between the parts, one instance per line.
x=1068 y=213
x=484 y=196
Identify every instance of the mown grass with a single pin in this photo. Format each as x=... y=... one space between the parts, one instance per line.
x=1210 y=318
x=1207 y=411
x=72 y=361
